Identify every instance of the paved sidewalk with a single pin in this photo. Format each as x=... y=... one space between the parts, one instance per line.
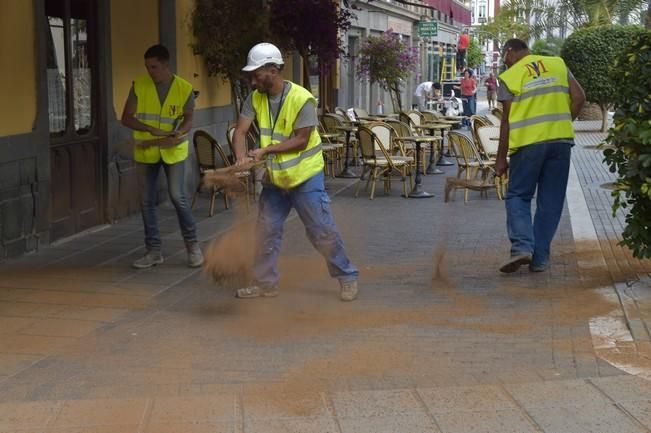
x=438 y=341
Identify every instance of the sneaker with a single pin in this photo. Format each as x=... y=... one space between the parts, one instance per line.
x=538 y=268
x=151 y=258
x=514 y=263
x=348 y=290
x=195 y=257
x=256 y=291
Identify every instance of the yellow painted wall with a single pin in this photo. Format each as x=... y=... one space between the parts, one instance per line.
x=18 y=68
x=214 y=91
x=134 y=28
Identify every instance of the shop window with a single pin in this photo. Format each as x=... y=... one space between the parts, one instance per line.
x=69 y=71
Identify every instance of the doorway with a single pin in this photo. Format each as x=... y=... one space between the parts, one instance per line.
x=75 y=154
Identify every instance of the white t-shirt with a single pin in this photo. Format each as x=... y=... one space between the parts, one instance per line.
x=423 y=88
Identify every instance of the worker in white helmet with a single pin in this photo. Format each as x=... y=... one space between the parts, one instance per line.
x=294 y=178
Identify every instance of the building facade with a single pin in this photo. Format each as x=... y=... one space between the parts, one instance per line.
x=67 y=67
x=403 y=18
x=484 y=11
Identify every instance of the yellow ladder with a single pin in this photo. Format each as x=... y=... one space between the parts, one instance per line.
x=448 y=67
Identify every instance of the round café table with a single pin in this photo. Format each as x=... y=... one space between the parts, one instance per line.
x=417 y=190
x=440 y=126
x=347 y=173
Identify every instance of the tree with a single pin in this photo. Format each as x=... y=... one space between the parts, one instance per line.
x=589 y=53
x=550 y=46
x=388 y=61
x=504 y=27
x=224 y=35
x=312 y=28
x=475 y=57
x=591 y=13
x=630 y=137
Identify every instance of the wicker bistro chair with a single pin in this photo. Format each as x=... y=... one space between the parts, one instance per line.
x=479 y=174
x=387 y=137
x=332 y=147
x=477 y=122
x=378 y=162
x=330 y=123
x=251 y=142
x=361 y=113
x=211 y=156
x=401 y=129
x=493 y=119
x=342 y=112
x=488 y=140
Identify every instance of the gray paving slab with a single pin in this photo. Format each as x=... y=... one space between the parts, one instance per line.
x=466 y=399
x=566 y=393
x=640 y=410
x=389 y=403
x=587 y=418
x=389 y=424
x=624 y=388
x=489 y=421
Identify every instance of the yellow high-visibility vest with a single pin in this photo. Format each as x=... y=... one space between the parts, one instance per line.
x=166 y=117
x=540 y=110
x=287 y=169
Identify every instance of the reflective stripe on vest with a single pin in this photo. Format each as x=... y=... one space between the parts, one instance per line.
x=288 y=169
x=164 y=117
x=540 y=109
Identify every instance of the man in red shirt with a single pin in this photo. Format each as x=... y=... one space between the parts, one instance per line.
x=462 y=46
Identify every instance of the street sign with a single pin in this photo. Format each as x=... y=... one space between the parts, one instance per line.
x=428 y=29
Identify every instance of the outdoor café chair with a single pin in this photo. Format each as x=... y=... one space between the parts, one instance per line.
x=378 y=164
x=211 y=156
x=479 y=176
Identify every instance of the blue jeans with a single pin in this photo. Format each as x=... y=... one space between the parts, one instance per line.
x=313 y=207
x=546 y=166
x=176 y=188
x=469 y=107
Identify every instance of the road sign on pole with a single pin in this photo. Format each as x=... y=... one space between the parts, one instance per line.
x=428 y=29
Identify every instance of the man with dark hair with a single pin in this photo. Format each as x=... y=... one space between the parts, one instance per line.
x=291 y=146
x=161 y=104
x=158 y=52
x=540 y=99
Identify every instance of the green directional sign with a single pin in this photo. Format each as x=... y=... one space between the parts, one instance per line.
x=428 y=29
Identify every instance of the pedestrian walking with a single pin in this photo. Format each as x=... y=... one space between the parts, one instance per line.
x=540 y=99
x=161 y=104
x=424 y=93
x=468 y=87
x=491 y=90
x=291 y=146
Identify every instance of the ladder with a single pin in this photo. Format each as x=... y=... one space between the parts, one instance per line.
x=448 y=67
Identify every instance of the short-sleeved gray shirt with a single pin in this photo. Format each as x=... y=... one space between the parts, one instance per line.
x=163 y=89
x=306 y=117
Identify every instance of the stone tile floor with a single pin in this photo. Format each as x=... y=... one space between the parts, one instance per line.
x=439 y=341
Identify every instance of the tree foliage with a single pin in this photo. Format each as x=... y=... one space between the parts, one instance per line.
x=591 y=13
x=474 y=55
x=311 y=27
x=224 y=35
x=550 y=46
x=589 y=53
x=388 y=61
x=631 y=137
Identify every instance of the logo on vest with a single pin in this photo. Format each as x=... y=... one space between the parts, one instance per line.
x=173 y=110
x=536 y=68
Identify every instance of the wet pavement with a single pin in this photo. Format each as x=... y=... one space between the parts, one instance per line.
x=438 y=341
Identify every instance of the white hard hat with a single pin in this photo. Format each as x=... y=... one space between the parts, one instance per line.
x=263 y=54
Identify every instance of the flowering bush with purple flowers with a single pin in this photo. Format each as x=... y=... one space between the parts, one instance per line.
x=387 y=60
